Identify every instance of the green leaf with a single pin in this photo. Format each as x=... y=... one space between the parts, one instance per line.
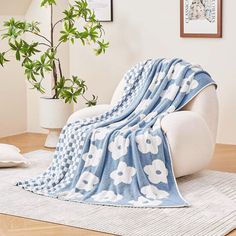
x=14 y=28
x=3 y=59
x=79 y=24
x=70 y=15
x=38 y=87
x=33 y=27
x=92 y=102
x=102 y=46
x=43 y=65
x=48 y=2
x=30 y=70
x=13 y=47
x=18 y=55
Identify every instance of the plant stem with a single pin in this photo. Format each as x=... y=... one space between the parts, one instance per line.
x=60 y=70
x=59 y=21
x=58 y=45
x=54 y=64
x=8 y=50
x=45 y=44
x=84 y=98
x=39 y=35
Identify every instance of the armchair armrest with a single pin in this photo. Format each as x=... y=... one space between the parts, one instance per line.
x=88 y=112
x=190 y=141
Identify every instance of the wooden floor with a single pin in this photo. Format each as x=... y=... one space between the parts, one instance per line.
x=224 y=160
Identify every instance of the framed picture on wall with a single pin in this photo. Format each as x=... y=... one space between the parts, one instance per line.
x=201 y=18
x=102 y=9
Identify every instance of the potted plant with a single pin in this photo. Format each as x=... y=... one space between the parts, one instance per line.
x=78 y=23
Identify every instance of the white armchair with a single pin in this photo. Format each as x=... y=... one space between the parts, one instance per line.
x=191 y=132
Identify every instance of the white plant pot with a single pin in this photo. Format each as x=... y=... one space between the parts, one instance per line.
x=53 y=116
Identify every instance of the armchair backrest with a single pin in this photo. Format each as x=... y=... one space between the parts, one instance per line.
x=118 y=92
x=205 y=104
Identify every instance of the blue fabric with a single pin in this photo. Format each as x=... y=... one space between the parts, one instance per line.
x=122 y=157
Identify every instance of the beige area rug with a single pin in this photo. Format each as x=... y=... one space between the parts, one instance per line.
x=212 y=195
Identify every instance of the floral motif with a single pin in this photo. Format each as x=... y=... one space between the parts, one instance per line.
x=107 y=196
x=119 y=147
x=189 y=85
x=87 y=181
x=152 y=192
x=142 y=201
x=170 y=92
x=148 y=143
x=100 y=133
x=156 y=81
x=92 y=157
x=194 y=85
x=68 y=195
x=123 y=174
x=157 y=172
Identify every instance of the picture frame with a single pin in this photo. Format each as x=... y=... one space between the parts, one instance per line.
x=201 y=18
x=103 y=9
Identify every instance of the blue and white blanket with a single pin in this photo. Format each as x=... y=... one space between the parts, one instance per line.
x=122 y=157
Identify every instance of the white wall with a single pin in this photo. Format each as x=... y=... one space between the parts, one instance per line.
x=13 y=7
x=140 y=30
x=35 y=13
x=150 y=29
x=12 y=94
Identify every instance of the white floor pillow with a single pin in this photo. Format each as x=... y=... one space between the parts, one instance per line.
x=10 y=157
x=7 y=147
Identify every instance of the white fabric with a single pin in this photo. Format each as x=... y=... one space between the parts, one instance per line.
x=202 y=117
x=206 y=105
x=192 y=146
x=88 y=112
x=10 y=157
x=117 y=93
x=190 y=141
x=6 y=147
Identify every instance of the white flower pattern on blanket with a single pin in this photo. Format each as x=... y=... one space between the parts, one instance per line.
x=121 y=157
x=119 y=147
x=92 y=157
x=107 y=196
x=170 y=92
x=152 y=192
x=68 y=195
x=100 y=133
x=87 y=181
x=142 y=201
x=123 y=174
x=157 y=81
x=156 y=172
x=148 y=143
x=189 y=85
